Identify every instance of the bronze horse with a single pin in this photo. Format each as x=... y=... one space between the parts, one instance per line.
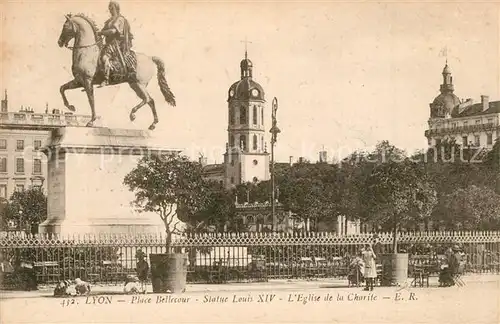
x=86 y=52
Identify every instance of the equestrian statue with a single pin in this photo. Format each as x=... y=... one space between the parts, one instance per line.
x=109 y=63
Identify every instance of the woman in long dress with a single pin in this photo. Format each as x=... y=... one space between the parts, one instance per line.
x=370 y=272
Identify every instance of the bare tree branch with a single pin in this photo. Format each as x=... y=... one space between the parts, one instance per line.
x=199 y=225
x=175 y=230
x=169 y=213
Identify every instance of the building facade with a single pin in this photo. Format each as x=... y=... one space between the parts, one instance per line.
x=257 y=217
x=22 y=134
x=464 y=121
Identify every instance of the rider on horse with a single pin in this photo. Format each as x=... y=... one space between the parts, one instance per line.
x=118 y=44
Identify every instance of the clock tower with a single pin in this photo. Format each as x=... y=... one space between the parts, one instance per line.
x=246 y=158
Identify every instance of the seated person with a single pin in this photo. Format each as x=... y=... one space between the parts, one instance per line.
x=450 y=269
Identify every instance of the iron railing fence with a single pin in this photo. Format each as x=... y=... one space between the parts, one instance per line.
x=223 y=257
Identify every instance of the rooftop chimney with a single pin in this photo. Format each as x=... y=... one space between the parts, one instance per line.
x=485 y=100
x=323 y=156
x=5 y=103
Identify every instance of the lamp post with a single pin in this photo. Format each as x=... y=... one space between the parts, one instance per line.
x=21 y=220
x=274 y=134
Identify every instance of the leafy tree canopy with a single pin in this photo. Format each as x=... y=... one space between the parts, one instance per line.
x=471 y=208
x=26 y=208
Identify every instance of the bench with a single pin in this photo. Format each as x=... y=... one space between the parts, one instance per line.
x=47 y=271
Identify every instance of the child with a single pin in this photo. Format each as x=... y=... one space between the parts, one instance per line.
x=370 y=272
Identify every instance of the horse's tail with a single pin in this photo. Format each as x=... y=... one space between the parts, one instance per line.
x=162 y=81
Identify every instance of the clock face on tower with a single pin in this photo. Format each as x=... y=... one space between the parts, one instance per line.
x=255 y=92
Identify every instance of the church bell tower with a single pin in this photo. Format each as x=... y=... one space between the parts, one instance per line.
x=246 y=158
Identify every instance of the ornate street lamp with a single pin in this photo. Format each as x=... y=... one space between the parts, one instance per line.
x=274 y=135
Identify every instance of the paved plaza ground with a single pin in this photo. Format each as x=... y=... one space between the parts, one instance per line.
x=277 y=301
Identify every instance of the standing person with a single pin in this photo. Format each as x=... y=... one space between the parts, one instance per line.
x=370 y=272
x=142 y=269
x=378 y=248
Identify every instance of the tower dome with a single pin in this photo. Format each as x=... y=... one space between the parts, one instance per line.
x=246 y=64
x=246 y=88
x=446 y=69
x=442 y=106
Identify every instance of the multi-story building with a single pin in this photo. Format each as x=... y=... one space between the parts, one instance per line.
x=22 y=134
x=468 y=123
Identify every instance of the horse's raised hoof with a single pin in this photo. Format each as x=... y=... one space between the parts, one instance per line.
x=132 y=117
x=152 y=127
x=71 y=108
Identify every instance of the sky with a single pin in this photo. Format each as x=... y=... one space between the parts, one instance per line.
x=346 y=75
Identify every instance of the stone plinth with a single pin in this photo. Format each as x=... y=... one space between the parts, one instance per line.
x=86 y=169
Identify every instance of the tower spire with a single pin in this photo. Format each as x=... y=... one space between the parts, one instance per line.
x=447 y=85
x=246 y=64
x=246 y=47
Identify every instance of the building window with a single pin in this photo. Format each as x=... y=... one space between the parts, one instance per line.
x=37 y=144
x=243 y=115
x=20 y=145
x=478 y=121
x=20 y=165
x=255 y=162
x=255 y=142
x=37 y=166
x=3 y=144
x=262 y=142
x=19 y=187
x=438 y=141
x=490 y=120
x=477 y=141
x=254 y=117
x=3 y=191
x=489 y=139
x=232 y=180
x=453 y=125
x=243 y=142
x=429 y=142
x=3 y=164
x=262 y=115
x=466 y=123
x=464 y=140
x=231 y=141
x=231 y=116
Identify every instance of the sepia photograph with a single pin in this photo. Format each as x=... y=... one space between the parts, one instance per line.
x=249 y=162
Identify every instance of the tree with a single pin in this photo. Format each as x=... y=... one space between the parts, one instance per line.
x=355 y=170
x=395 y=193
x=493 y=157
x=471 y=208
x=170 y=185
x=217 y=208
x=4 y=203
x=27 y=208
x=311 y=191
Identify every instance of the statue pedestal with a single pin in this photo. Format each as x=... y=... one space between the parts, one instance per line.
x=86 y=169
